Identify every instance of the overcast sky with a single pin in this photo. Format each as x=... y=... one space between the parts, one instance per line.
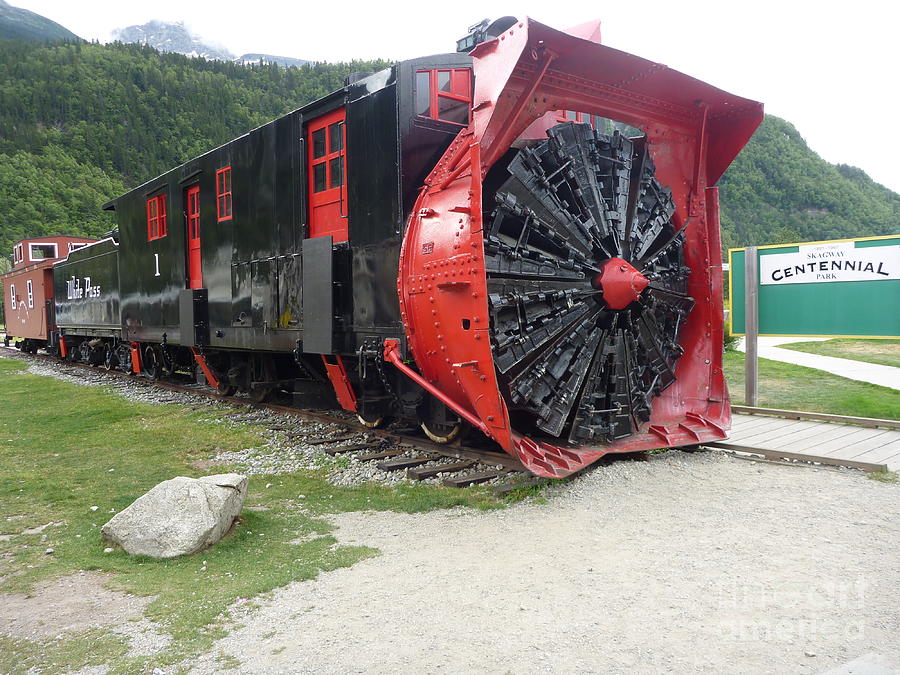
x=828 y=67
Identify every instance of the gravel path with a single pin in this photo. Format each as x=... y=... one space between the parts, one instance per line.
x=700 y=563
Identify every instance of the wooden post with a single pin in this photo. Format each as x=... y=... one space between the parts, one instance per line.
x=751 y=326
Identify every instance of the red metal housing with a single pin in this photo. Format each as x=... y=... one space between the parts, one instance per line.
x=522 y=78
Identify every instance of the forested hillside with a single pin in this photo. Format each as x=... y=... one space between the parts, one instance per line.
x=81 y=122
x=778 y=191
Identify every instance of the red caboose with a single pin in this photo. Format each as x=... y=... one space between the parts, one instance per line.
x=29 y=286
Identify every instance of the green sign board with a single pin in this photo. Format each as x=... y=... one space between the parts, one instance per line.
x=839 y=288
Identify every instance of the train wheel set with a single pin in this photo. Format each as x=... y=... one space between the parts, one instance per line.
x=520 y=239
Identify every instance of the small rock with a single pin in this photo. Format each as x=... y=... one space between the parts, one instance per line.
x=268 y=485
x=94 y=508
x=809 y=653
x=49 y=551
x=301 y=496
x=108 y=549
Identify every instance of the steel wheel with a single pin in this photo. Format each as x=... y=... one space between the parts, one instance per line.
x=263 y=371
x=372 y=421
x=108 y=356
x=152 y=362
x=225 y=388
x=443 y=432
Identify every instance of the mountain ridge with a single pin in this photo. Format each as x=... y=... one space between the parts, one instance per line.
x=17 y=23
x=176 y=38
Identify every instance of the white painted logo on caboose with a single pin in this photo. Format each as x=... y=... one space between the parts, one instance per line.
x=77 y=289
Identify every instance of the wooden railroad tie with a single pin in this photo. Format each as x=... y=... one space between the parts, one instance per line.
x=404 y=462
x=422 y=473
x=334 y=439
x=472 y=478
x=384 y=454
x=350 y=448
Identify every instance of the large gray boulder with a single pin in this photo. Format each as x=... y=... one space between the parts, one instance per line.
x=179 y=516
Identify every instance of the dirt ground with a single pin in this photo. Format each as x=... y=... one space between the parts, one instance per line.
x=687 y=563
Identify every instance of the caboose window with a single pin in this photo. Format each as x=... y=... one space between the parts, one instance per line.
x=30 y=288
x=19 y=253
x=444 y=95
x=12 y=295
x=156 y=217
x=224 y=206
x=41 y=252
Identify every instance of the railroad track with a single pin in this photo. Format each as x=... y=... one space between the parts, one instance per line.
x=391 y=450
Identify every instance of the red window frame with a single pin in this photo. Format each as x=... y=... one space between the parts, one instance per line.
x=224 y=204
x=460 y=81
x=156 y=217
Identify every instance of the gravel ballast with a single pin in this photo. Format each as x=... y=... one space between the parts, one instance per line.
x=686 y=563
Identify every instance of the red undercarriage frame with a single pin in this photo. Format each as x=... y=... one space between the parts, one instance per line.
x=694 y=131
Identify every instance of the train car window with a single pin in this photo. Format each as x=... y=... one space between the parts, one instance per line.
x=319 y=177
x=335 y=138
x=444 y=95
x=19 y=253
x=156 y=217
x=30 y=288
x=336 y=171
x=12 y=295
x=423 y=93
x=318 y=138
x=41 y=252
x=452 y=110
x=224 y=205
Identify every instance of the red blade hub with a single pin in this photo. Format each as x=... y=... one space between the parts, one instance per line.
x=620 y=282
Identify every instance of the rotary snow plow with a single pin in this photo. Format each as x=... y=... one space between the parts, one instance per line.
x=561 y=285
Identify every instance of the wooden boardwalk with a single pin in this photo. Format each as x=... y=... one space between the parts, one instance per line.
x=870 y=449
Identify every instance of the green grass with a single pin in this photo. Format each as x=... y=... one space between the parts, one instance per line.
x=882 y=352
x=790 y=387
x=65 y=448
x=884 y=476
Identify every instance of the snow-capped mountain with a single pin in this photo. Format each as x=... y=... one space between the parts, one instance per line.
x=171 y=37
x=175 y=37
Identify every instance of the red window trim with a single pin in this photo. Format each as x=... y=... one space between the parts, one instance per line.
x=224 y=196
x=159 y=219
x=435 y=94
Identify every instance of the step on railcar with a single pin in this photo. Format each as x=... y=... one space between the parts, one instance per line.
x=520 y=237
